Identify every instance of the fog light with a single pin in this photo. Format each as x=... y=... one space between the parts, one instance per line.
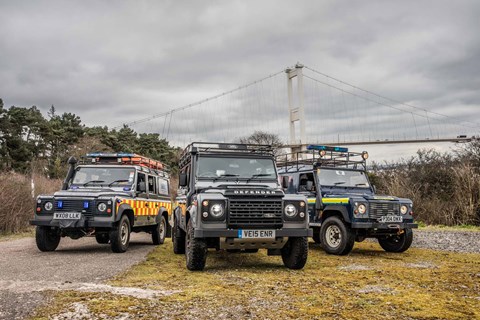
x=302 y=214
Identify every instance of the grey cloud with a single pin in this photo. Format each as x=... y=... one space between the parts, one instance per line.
x=113 y=63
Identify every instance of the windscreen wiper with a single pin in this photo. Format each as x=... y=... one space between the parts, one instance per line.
x=339 y=182
x=93 y=181
x=259 y=175
x=117 y=181
x=225 y=175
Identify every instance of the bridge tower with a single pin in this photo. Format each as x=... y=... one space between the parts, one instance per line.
x=297 y=113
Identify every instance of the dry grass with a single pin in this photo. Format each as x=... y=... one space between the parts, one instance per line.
x=17 y=201
x=367 y=284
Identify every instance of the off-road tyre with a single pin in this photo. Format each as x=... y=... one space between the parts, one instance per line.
x=397 y=243
x=295 y=252
x=336 y=237
x=120 y=236
x=47 y=238
x=102 y=238
x=159 y=232
x=195 y=250
x=316 y=235
x=178 y=238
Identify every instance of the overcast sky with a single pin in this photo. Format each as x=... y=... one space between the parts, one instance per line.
x=112 y=62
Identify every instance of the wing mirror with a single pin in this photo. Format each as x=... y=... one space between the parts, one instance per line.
x=182 y=180
x=285 y=181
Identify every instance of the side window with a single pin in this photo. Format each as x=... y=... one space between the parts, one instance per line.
x=141 y=182
x=152 y=185
x=162 y=187
x=306 y=183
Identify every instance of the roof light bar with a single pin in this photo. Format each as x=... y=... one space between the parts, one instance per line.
x=326 y=148
x=125 y=158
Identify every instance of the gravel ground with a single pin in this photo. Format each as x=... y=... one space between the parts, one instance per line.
x=457 y=241
x=25 y=271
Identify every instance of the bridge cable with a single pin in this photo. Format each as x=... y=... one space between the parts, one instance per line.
x=163 y=114
x=389 y=105
x=392 y=100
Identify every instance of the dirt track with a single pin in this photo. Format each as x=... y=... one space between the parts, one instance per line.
x=25 y=271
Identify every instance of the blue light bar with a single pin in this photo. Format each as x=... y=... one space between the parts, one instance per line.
x=326 y=148
x=86 y=204
x=60 y=204
x=109 y=155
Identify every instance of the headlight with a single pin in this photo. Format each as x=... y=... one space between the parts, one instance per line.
x=102 y=207
x=362 y=208
x=403 y=209
x=216 y=210
x=48 y=206
x=290 y=210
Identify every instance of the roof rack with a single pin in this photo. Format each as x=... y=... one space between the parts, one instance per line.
x=322 y=156
x=224 y=148
x=123 y=159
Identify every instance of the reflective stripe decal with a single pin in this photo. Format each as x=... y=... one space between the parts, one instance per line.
x=312 y=200
x=335 y=200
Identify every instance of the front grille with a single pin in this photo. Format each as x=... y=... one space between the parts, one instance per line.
x=256 y=214
x=74 y=205
x=378 y=209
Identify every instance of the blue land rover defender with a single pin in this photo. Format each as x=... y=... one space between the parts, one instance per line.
x=343 y=206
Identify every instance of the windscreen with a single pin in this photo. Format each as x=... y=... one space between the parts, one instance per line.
x=342 y=178
x=103 y=176
x=209 y=167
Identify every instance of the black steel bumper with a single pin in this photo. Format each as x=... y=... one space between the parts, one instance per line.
x=233 y=233
x=384 y=226
x=77 y=224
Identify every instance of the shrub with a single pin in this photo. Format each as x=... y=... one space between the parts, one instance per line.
x=17 y=200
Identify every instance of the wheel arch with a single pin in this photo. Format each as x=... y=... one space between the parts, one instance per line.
x=338 y=211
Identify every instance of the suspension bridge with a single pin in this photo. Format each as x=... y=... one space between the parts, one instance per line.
x=305 y=106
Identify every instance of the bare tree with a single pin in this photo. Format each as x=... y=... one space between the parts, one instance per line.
x=262 y=137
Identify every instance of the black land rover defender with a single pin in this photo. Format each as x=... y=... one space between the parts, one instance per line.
x=107 y=196
x=230 y=198
x=343 y=207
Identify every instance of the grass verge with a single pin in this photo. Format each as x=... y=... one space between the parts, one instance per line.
x=368 y=283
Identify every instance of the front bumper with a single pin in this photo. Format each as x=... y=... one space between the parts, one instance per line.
x=384 y=226
x=233 y=233
x=80 y=224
